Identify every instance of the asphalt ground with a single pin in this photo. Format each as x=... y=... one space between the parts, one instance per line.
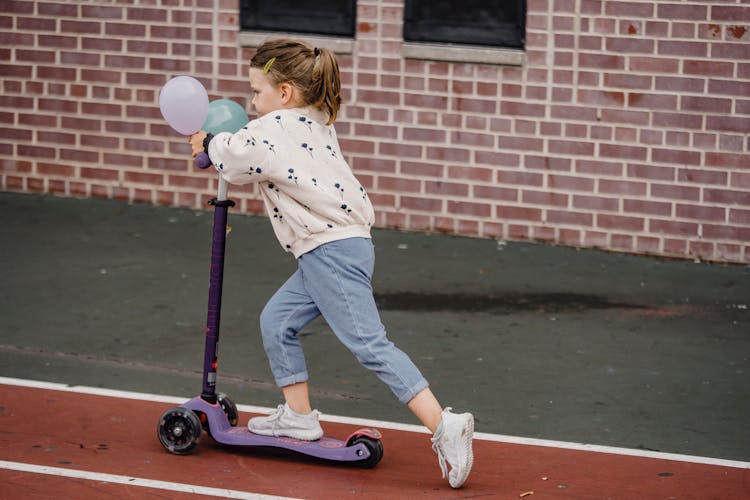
x=537 y=341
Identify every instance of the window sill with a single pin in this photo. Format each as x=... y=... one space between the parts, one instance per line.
x=339 y=45
x=463 y=53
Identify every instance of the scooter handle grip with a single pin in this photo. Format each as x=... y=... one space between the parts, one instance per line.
x=202 y=161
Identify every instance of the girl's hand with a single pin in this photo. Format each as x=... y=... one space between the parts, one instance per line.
x=196 y=141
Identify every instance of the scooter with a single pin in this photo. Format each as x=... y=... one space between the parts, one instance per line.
x=180 y=428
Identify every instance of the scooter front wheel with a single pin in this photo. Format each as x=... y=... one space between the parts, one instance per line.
x=230 y=409
x=179 y=430
x=374 y=446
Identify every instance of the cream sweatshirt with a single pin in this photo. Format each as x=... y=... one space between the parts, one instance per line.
x=309 y=191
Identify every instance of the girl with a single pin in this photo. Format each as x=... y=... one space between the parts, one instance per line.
x=322 y=215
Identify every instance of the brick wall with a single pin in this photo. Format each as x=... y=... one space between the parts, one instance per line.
x=626 y=128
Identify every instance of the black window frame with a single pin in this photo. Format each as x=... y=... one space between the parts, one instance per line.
x=329 y=18
x=423 y=25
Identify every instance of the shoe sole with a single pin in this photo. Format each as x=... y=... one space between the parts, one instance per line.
x=301 y=435
x=470 y=460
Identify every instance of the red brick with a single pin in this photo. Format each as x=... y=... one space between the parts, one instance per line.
x=99 y=141
x=728 y=123
x=646 y=244
x=451 y=154
x=55 y=169
x=422 y=169
x=112 y=44
x=35 y=24
x=682 y=48
x=15 y=134
x=518 y=213
x=421 y=204
x=400 y=150
x=682 y=11
x=652 y=101
x=399 y=184
x=500 y=159
x=469 y=208
x=622 y=151
x=647 y=207
x=673 y=227
x=674 y=192
x=595 y=203
x=546 y=198
x=474 y=105
x=526 y=144
x=446 y=188
x=101 y=12
x=653 y=64
x=678 y=156
x=422 y=135
x=571 y=147
x=677 y=120
x=374 y=164
x=726 y=196
x=730 y=13
x=80 y=27
x=98 y=173
x=630 y=45
x=708 y=68
x=724 y=232
x=601 y=61
x=78 y=155
x=520 y=177
x=609 y=221
x=495 y=193
x=651 y=172
x=739 y=161
x=702 y=176
x=461 y=138
x=601 y=97
x=716 y=214
x=679 y=84
x=570 y=183
x=704 y=104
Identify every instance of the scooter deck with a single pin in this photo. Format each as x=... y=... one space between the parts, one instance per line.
x=325 y=447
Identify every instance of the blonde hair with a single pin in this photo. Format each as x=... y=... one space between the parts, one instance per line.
x=313 y=71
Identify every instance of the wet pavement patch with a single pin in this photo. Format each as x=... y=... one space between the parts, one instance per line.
x=506 y=303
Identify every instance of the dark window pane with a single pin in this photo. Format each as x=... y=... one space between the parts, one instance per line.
x=324 y=17
x=476 y=22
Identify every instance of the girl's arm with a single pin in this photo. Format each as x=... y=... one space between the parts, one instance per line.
x=240 y=157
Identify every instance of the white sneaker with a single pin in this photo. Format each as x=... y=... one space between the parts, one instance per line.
x=452 y=444
x=285 y=422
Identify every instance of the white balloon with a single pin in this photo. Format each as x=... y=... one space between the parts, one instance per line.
x=184 y=104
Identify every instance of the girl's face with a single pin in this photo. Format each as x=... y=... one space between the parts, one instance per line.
x=266 y=96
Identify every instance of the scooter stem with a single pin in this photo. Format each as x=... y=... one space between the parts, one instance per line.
x=210 y=361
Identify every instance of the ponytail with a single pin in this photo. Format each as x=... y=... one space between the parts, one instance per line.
x=313 y=71
x=326 y=83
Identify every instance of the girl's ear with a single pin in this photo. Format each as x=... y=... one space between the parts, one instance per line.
x=287 y=93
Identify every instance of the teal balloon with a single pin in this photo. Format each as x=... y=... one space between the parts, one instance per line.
x=224 y=115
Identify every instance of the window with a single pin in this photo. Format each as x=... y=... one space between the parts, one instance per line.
x=493 y=23
x=321 y=17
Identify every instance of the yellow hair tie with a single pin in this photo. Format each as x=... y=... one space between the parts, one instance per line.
x=268 y=65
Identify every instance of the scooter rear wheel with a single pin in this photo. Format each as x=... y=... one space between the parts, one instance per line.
x=179 y=430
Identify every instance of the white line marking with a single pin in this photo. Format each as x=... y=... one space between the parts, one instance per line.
x=498 y=438
x=136 y=481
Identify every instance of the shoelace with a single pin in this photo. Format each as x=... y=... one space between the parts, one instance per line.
x=441 y=458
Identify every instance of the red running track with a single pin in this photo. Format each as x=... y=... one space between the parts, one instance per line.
x=82 y=434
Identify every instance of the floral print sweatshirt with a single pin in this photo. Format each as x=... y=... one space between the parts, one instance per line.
x=309 y=191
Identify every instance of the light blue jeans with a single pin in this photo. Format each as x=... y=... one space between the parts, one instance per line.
x=335 y=280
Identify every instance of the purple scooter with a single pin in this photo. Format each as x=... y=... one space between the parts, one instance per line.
x=180 y=428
